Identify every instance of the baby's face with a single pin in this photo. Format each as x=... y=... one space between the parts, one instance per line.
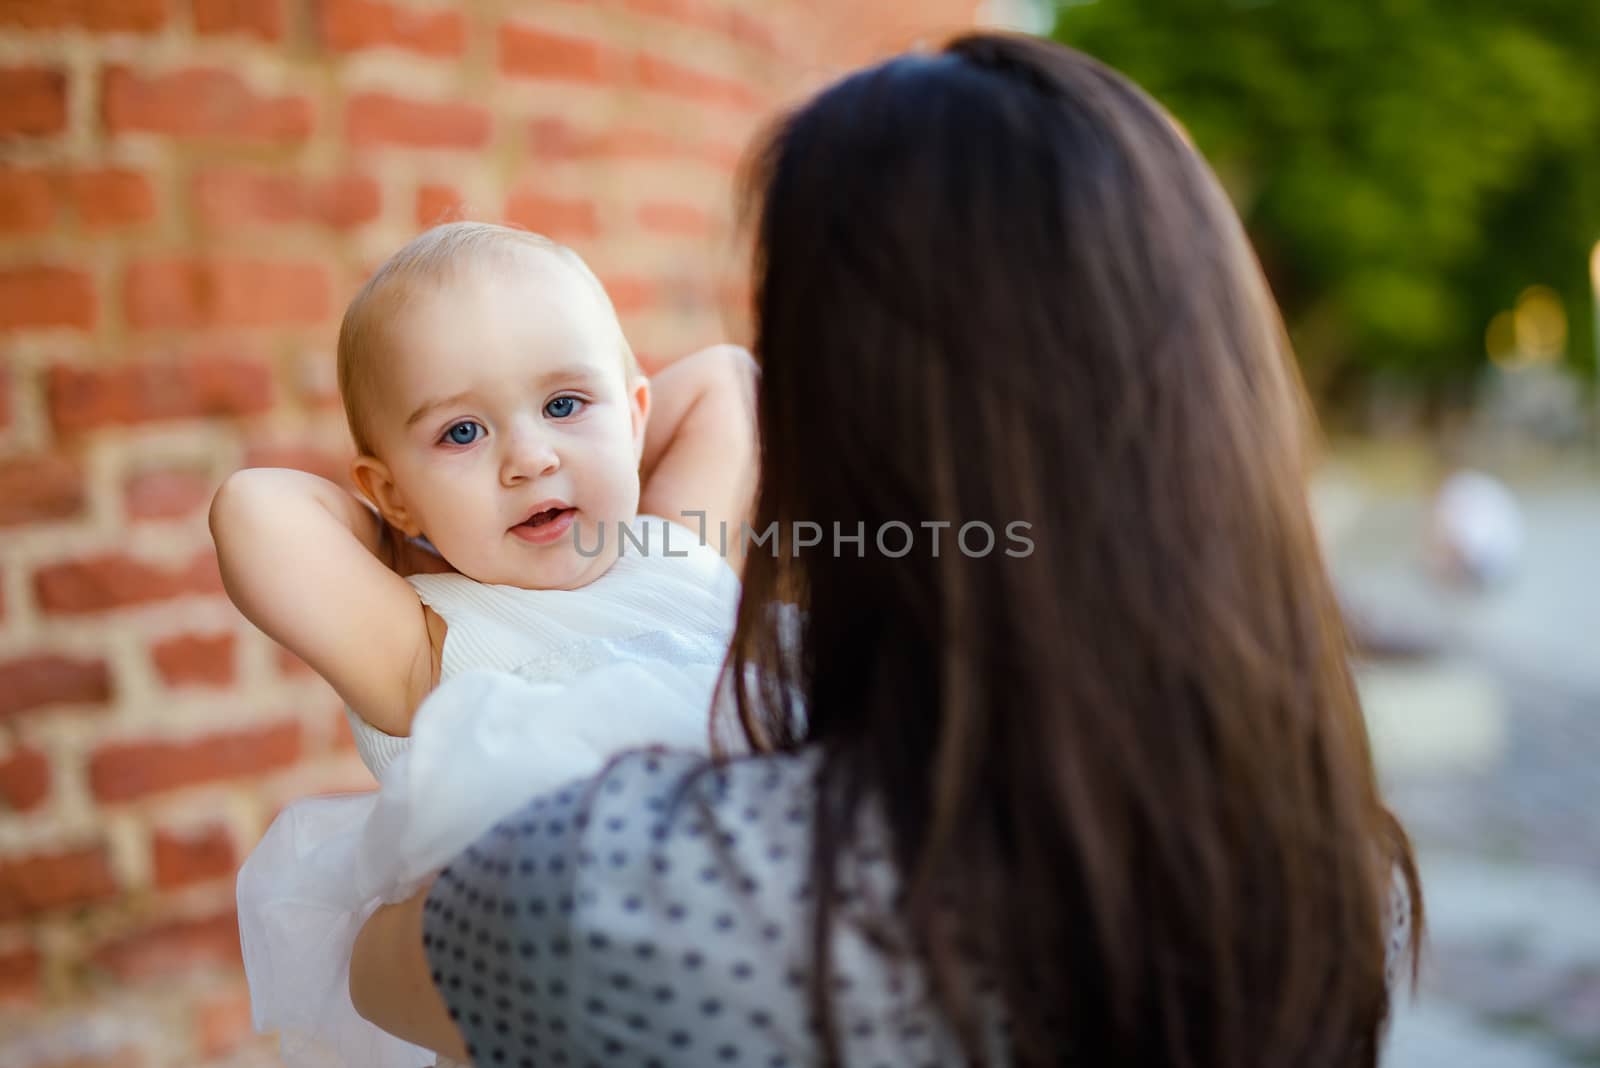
x=507 y=423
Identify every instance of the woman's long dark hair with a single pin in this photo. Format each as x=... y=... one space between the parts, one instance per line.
x=1126 y=775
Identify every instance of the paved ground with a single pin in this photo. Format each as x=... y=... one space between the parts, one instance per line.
x=1488 y=739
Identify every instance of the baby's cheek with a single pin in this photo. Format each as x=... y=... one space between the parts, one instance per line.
x=620 y=475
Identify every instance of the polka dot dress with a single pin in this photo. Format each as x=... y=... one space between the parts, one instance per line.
x=657 y=917
x=660 y=916
x=1397 y=951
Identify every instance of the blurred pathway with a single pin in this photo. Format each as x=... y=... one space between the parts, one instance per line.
x=1488 y=740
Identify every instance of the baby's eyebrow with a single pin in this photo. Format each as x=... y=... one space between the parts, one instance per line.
x=574 y=373
x=428 y=406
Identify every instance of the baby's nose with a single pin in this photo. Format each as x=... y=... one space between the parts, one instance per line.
x=528 y=456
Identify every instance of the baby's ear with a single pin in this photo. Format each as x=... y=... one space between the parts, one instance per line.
x=376 y=483
x=639 y=412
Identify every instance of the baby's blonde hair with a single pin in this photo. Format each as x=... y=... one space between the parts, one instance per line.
x=434 y=256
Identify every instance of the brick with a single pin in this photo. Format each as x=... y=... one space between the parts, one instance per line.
x=558 y=139
x=682 y=220
x=292 y=666
x=190 y=294
x=201 y=103
x=30 y=201
x=333 y=466
x=316 y=379
x=222 y=1023
x=373 y=119
x=752 y=32
x=39 y=488
x=87 y=398
x=42 y=679
x=557 y=217
x=228 y=197
x=124 y=771
x=555 y=139
x=98 y=16
x=257 y=18
x=173 y=948
x=194 y=856
x=43 y=296
x=27 y=204
x=36 y=101
x=24 y=778
x=195 y=659
x=527 y=52
x=40 y=882
x=660 y=75
x=630 y=294
x=170 y=494
x=344 y=202
x=714 y=17
x=112 y=197
x=116 y=580
x=354 y=25
x=701 y=11
x=19 y=975
x=438 y=204
x=125 y=1057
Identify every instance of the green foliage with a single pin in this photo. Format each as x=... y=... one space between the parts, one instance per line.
x=1405 y=167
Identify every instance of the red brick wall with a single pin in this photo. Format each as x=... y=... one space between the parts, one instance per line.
x=189 y=192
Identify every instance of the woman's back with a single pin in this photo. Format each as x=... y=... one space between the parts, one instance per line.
x=1126 y=767
x=651 y=917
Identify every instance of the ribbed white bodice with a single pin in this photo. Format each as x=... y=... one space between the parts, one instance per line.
x=648 y=606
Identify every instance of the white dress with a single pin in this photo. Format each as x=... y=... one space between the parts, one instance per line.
x=538 y=688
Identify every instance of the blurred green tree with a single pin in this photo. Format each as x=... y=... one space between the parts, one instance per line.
x=1405 y=167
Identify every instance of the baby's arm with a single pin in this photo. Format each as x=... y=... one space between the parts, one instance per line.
x=700 y=444
x=300 y=559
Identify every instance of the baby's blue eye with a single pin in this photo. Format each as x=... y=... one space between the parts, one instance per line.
x=562 y=407
x=463 y=433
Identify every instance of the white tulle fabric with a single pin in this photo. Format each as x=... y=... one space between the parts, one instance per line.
x=539 y=687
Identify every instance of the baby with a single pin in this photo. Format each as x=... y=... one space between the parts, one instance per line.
x=498 y=413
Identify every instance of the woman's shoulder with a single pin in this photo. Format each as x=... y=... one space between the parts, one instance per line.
x=654 y=800
x=667 y=852
x=669 y=894
x=688 y=803
x=709 y=780
x=672 y=826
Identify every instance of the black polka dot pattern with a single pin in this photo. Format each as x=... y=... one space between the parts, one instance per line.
x=1397 y=956
x=655 y=917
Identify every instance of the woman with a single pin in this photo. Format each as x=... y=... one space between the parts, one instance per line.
x=1107 y=801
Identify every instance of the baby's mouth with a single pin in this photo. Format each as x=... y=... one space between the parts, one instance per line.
x=546 y=526
x=539 y=519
